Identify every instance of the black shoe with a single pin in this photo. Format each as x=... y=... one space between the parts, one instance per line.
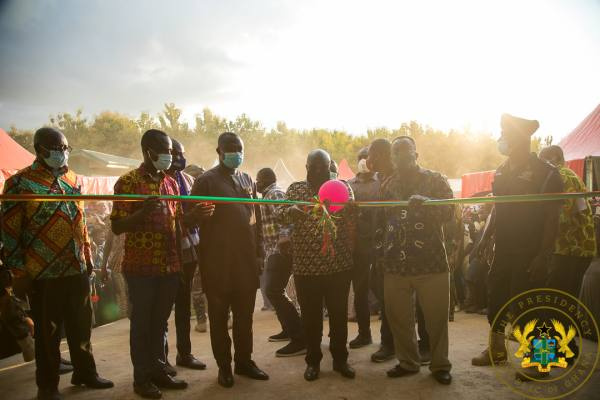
x=169 y=369
x=94 y=382
x=147 y=390
x=398 y=372
x=280 y=337
x=383 y=354
x=250 y=370
x=48 y=394
x=225 y=377
x=190 y=362
x=165 y=381
x=312 y=372
x=291 y=349
x=64 y=368
x=345 y=370
x=443 y=377
x=360 y=341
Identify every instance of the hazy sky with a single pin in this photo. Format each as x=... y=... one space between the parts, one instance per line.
x=333 y=64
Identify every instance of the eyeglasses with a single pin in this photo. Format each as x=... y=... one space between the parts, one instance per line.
x=68 y=149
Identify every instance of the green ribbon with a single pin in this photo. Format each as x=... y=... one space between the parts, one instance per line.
x=525 y=198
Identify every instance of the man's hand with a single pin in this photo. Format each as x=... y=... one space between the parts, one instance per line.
x=538 y=268
x=416 y=200
x=30 y=325
x=150 y=205
x=297 y=212
x=204 y=210
x=104 y=274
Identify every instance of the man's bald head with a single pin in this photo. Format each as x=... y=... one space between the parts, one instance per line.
x=553 y=154
x=177 y=146
x=47 y=139
x=318 y=163
x=318 y=158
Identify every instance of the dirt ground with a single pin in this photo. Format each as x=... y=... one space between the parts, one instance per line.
x=111 y=349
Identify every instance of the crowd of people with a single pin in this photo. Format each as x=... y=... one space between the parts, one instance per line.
x=414 y=265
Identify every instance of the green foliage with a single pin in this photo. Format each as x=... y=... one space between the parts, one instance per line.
x=452 y=153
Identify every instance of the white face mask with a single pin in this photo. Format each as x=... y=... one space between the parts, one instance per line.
x=362 y=166
x=503 y=147
x=57 y=159
x=164 y=161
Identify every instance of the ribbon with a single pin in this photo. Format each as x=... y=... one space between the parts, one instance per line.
x=524 y=198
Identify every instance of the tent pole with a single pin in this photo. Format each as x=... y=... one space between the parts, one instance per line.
x=589 y=173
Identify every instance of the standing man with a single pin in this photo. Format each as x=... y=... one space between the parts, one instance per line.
x=152 y=260
x=379 y=160
x=189 y=258
x=321 y=277
x=276 y=241
x=415 y=261
x=525 y=233
x=231 y=258
x=575 y=244
x=47 y=248
x=365 y=187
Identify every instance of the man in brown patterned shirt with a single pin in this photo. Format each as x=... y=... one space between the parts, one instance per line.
x=321 y=277
x=415 y=261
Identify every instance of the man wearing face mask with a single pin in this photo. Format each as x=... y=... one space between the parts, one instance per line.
x=320 y=277
x=366 y=187
x=47 y=249
x=525 y=233
x=276 y=239
x=152 y=259
x=231 y=258
x=415 y=261
x=189 y=258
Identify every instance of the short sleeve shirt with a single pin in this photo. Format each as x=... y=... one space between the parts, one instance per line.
x=576 y=235
x=150 y=250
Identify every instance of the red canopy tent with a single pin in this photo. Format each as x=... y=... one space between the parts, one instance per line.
x=582 y=144
x=13 y=156
x=344 y=170
x=581 y=148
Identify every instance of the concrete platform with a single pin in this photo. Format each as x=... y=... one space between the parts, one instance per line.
x=111 y=348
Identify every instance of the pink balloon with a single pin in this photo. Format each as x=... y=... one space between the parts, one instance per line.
x=336 y=192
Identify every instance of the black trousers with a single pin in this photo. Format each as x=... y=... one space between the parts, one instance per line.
x=387 y=339
x=277 y=274
x=507 y=278
x=332 y=290
x=360 y=283
x=152 y=299
x=54 y=302
x=242 y=308
x=183 y=310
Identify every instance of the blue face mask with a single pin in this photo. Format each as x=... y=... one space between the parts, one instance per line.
x=57 y=159
x=333 y=176
x=233 y=160
x=163 y=162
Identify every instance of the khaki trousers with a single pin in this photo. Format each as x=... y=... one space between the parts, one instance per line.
x=433 y=294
